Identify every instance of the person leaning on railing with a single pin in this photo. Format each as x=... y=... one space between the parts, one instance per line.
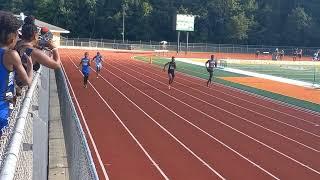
x=10 y=64
x=30 y=39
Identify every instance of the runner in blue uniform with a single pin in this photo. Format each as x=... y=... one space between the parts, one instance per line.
x=98 y=61
x=10 y=65
x=85 y=63
x=172 y=67
x=210 y=65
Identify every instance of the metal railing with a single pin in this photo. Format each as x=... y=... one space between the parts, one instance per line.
x=81 y=164
x=172 y=46
x=16 y=154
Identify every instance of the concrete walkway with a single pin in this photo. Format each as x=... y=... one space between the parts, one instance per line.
x=58 y=165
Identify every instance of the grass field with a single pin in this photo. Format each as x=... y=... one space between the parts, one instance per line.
x=201 y=72
x=308 y=73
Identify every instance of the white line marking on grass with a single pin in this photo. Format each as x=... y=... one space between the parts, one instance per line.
x=249 y=94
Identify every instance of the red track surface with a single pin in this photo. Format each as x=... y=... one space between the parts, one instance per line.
x=142 y=130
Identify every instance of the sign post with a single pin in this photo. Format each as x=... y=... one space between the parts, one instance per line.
x=187 y=42
x=178 y=42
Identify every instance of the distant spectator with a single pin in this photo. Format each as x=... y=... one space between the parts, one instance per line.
x=276 y=54
x=299 y=54
x=257 y=54
x=164 y=45
x=316 y=55
x=10 y=64
x=281 y=54
x=295 y=53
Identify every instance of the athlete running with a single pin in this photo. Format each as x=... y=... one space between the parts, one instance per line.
x=98 y=61
x=212 y=64
x=85 y=63
x=172 y=67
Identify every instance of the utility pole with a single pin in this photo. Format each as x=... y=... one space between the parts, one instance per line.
x=187 y=42
x=123 y=11
x=178 y=42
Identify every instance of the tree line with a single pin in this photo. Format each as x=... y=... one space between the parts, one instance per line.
x=268 y=22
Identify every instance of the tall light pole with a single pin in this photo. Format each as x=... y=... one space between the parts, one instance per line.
x=123 y=11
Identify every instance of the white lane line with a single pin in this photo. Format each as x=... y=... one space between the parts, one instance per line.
x=195 y=126
x=183 y=78
x=87 y=128
x=296 y=161
x=127 y=129
x=286 y=105
x=168 y=132
x=228 y=112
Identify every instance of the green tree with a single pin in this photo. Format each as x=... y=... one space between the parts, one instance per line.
x=270 y=22
x=298 y=26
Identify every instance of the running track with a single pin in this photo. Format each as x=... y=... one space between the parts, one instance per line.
x=138 y=129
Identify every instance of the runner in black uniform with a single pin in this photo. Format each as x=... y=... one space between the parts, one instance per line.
x=295 y=53
x=299 y=54
x=171 y=68
x=212 y=64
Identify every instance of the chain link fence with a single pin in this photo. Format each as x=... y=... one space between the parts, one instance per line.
x=8 y=131
x=193 y=47
x=81 y=165
x=16 y=153
x=24 y=168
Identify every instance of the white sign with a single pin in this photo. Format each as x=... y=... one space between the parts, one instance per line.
x=185 y=22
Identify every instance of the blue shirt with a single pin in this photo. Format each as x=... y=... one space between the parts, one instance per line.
x=85 y=65
x=98 y=59
x=6 y=91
